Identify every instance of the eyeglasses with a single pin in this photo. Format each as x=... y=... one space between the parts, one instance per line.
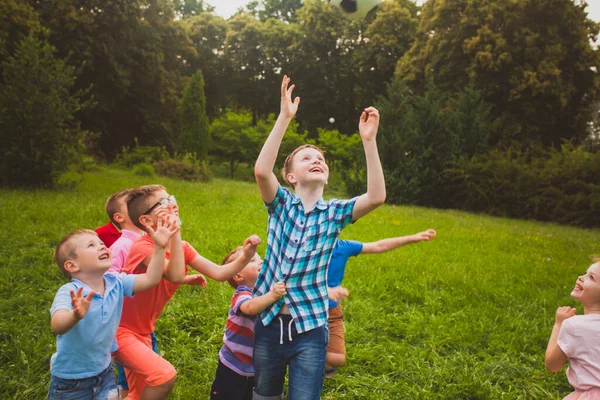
x=162 y=202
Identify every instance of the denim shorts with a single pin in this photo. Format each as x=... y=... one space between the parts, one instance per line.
x=102 y=386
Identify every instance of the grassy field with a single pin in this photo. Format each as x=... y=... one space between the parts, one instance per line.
x=466 y=316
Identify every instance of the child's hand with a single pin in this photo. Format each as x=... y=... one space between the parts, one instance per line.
x=279 y=290
x=368 y=127
x=250 y=246
x=337 y=293
x=288 y=108
x=166 y=227
x=425 y=236
x=564 y=313
x=81 y=304
x=195 y=280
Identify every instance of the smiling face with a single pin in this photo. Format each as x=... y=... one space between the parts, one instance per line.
x=307 y=166
x=88 y=256
x=587 y=287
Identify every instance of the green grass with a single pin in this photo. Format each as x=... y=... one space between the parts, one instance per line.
x=466 y=316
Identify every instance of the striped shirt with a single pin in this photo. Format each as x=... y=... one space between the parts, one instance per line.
x=299 y=245
x=236 y=353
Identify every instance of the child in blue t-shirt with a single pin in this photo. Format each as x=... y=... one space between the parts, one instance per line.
x=85 y=313
x=234 y=379
x=343 y=250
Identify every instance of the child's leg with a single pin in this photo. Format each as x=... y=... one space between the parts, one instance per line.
x=229 y=385
x=269 y=360
x=336 y=350
x=307 y=364
x=122 y=379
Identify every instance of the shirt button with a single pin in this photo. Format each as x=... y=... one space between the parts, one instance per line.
x=290 y=258
x=295 y=240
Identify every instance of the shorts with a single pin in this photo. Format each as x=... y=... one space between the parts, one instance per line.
x=101 y=386
x=143 y=367
x=337 y=343
x=591 y=394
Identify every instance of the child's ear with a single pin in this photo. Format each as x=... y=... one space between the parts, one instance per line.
x=145 y=220
x=291 y=178
x=120 y=218
x=238 y=278
x=71 y=266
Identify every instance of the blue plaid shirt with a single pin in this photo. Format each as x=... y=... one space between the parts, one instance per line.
x=299 y=246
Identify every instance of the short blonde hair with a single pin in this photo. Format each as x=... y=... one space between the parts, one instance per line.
x=232 y=256
x=289 y=160
x=595 y=258
x=66 y=250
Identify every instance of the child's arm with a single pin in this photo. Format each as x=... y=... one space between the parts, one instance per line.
x=258 y=304
x=174 y=267
x=375 y=195
x=384 y=245
x=165 y=230
x=337 y=293
x=62 y=321
x=263 y=169
x=555 y=358
x=224 y=272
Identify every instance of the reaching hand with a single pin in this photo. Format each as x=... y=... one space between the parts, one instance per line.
x=81 y=304
x=288 y=108
x=425 y=236
x=195 y=280
x=250 y=246
x=337 y=293
x=564 y=313
x=368 y=127
x=279 y=290
x=166 y=227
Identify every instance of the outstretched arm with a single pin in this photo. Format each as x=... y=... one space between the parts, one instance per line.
x=258 y=304
x=555 y=358
x=62 y=321
x=375 y=195
x=263 y=169
x=384 y=245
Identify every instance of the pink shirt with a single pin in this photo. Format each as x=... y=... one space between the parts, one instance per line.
x=120 y=249
x=579 y=339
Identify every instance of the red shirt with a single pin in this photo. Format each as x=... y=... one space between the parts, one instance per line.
x=141 y=312
x=108 y=234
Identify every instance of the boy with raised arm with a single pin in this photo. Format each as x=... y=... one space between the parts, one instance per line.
x=302 y=232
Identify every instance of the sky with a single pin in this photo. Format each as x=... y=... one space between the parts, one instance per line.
x=226 y=8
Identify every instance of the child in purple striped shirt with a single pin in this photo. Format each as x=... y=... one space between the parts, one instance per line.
x=235 y=374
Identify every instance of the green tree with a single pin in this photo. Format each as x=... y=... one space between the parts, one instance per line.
x=282 y=10
x=40 y=136
x=195 y=135
x=190 y=8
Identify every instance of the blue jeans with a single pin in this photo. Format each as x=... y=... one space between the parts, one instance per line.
x=305 y=355
x=101 y=386
x=121 y=378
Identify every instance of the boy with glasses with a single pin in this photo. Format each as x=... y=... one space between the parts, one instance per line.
x=148 y=374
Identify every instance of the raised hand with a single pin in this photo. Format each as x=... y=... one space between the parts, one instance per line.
x=81 y=304
x=368 y=127
x=195 y=280
x=563 y=313
x=425 y=236
x=279 y=290
x=250 y=245
x=166 y=226
x=337 y=293
x=288 y=107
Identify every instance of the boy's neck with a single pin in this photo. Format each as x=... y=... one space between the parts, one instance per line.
x=309 y=195
x=131 y=227
x=94 y=281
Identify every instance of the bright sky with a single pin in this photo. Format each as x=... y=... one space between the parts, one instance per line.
x=226 y=8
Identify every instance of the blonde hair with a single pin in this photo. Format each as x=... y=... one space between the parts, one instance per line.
x=112 y=205
x=137 y=202
x=66 y=250
x=232 y=256
x=289 y=160
x=595 y=258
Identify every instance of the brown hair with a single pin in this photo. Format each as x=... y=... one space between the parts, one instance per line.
x=287 y=165
x=137 y=202
x=65 y=250
x=232 y=256
x=112 y=205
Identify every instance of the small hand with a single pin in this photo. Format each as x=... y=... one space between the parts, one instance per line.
x=337 y=293
x=368 y=127
x=288 y=108
x=166 y=227
x=250 y=245
x=81 y=304
x=563 y=313
x=425 y=236
x=279 y=290
x=195 y=280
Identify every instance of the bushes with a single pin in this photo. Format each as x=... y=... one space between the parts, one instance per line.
x=182 y=169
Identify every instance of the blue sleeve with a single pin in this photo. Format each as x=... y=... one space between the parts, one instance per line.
x=342 y=211
x=280 y=198
x=128 y=280
x=354 y=247
x=62 y=299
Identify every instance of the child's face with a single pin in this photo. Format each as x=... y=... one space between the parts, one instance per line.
x=160 y=200
x=308 y=166
x=250 y=272
x=587 y=287
x=91 y=255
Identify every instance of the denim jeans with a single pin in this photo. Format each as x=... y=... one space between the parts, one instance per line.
x=229 y=385
x=121 y=378
x=304 y=354
x=101 y=386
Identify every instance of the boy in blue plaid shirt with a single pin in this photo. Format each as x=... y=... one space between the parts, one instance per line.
x=302 y=232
